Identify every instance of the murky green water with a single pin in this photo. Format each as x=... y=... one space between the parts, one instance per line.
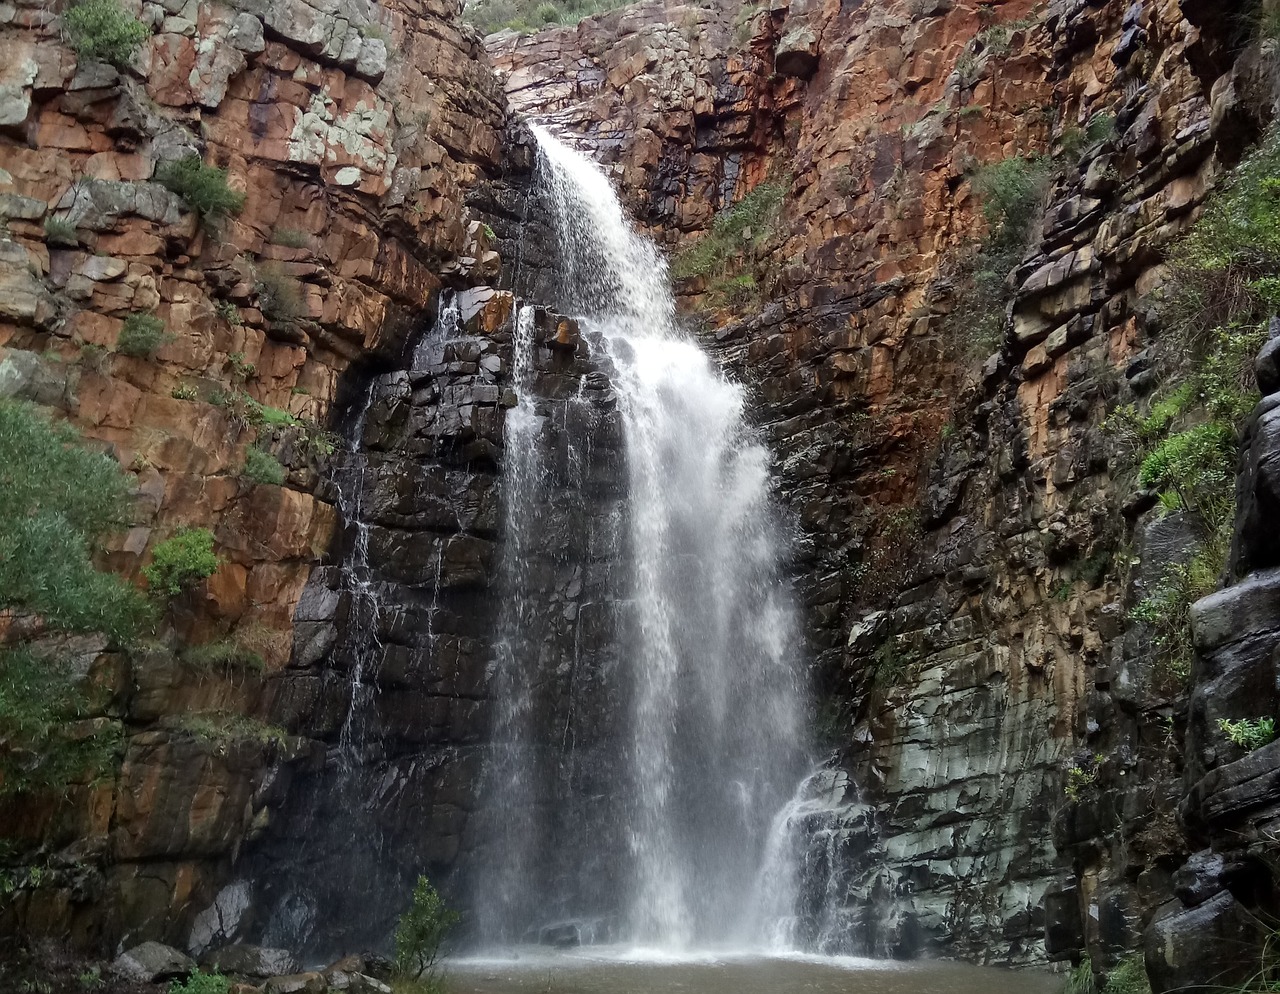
x=602 y=972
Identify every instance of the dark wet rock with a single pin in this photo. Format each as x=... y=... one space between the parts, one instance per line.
x=152 y=962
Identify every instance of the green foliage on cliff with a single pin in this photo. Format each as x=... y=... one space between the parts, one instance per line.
x=262 y=467
x=1249 y=733
x=140 y=335
x=204 y=188
x=1128 y=977
x=60 y=499
x=527 y=16
x=1224 y=284
x=200 y=982
x=735 y=232
x=180 y=562
x=421 y=930
x=103 y=30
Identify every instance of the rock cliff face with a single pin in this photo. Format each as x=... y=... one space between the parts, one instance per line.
x=354 y=132
x=968 y=563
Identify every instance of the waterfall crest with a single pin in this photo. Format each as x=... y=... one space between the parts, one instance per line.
x=707 y=695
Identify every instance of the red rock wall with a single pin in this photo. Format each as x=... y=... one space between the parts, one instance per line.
x=353 y=133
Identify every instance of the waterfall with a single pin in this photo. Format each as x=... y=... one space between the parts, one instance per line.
x=706 y=736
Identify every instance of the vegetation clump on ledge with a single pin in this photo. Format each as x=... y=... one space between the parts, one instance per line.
x=105 y=31
x=204 y=188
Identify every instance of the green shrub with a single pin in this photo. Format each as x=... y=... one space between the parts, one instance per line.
x=140 y=336
x=184 y=391
x=59 y=500
x=262 y=467
x=224 y=654
x=180 y=562
x=94 y=357
x=290 y=238
x=421 y=930
x=1128 y=977
x=1167 y=608
x=1080 y=980
x=735 y=230
x=200 y=982
x=1249 y=733
x=1082 y=775
x=204 y=188
x=1012 y=192
x=219 y=728
x=548 y=13
x=103 y=30
x=61 y=231
x=279 y=294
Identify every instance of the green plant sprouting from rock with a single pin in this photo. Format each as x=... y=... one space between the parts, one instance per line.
x=180 y=562
x=203 y=188
x=421 y=930
x=1225 y=285
x=60 y=499
x=261 y=466
x=200 y=982
x=1249 y=733
x=140 y=335
x=105 y=31
x=526 y=16
x=723 y=256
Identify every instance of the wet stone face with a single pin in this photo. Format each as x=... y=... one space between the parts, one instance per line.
x=395 y=651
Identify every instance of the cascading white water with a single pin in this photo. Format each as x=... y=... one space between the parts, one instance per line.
x=713 y=737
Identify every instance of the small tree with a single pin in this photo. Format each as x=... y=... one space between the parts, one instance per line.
x=140 y=335
x=58 y=499
x=180 y=562
x=204 y=188
x=422 y=929
x=103 y=30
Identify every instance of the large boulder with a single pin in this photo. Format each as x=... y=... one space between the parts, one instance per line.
x=244 y=960
x=152 y=962
x=1205 y=947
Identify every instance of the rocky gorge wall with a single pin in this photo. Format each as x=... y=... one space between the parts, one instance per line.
x=973 y=543
x=354 y=132
x=970 y=550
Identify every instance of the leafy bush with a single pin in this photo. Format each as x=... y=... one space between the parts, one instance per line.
x=289 y=238
x=200 y=982
x=219 y=728
x=204 y=188
x=1167 y=608
x=1012 y=192
x=180 y=562
x=225 y=654
x=421 y=930
x=1128 y=977
x=140 y=336
x=262 y=467
x=1199 y=465
x=103 y=30
x=59 y=500
x=736 y=229
x=279 y=294
x=60 y=231
x=184 y=391
x=1249 y=733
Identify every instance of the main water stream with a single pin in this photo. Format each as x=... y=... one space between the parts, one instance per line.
x=712 y=739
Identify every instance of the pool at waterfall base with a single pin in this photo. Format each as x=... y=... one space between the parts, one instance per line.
x=606 y=970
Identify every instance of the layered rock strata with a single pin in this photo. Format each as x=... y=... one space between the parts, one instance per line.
x=353 y=132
